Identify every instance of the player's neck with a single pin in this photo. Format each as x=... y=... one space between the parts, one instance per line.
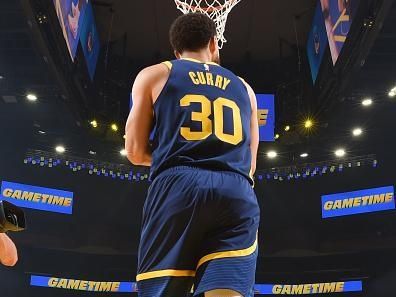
x=203 y=56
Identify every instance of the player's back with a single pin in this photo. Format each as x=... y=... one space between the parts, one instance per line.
x=202 y=119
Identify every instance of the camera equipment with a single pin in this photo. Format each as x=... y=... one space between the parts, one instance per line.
x=12 y=218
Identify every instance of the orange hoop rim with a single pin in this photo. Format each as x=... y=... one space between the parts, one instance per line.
x=209 y=9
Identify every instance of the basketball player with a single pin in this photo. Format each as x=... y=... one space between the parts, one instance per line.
x=8 y=251
x=201 y=216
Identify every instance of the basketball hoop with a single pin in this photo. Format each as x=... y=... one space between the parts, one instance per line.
x=217 y=10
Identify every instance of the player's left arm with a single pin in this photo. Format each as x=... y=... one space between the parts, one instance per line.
x=254 y=129
x=148 y=84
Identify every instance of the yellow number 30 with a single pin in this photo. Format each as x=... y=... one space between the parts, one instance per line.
x=207 y=125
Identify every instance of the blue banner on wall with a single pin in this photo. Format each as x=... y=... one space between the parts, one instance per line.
x=82 y=285
x=308 y=289
x=90 y=42
x=317 y=42
x=266 y=116
x=364 y=201
x=37 y=197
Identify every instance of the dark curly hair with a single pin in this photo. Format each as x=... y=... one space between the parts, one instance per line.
x=191 y=32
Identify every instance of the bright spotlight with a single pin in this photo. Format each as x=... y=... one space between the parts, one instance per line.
x=304 y=155
x=94 y=123
x=272 y=154
x=114 y=127
x=123 y=152
x=308 y=124
x=287 y=128
x=60 y=149
x=277 y=136
x=357 y=132
x=31 y=97
x=392 y=93
x=367 y=102
x=340 y=153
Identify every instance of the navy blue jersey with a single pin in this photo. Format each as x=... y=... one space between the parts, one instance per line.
x=202 y=119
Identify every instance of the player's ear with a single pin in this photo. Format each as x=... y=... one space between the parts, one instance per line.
x=177 y=54
x=213 y=45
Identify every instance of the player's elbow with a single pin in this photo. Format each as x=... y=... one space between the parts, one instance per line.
x=132 y=151
x=135 y=160
x=135 y=157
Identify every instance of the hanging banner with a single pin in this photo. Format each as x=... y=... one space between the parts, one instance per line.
x=71 y=15
x=266 y=116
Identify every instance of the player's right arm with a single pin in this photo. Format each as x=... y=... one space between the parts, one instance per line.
x=254 y=129
x=145 y=91
x=8 y=251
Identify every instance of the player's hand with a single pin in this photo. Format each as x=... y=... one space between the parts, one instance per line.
x=8 y=251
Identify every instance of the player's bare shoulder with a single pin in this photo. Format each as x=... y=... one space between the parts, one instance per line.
x=153 y=78
x=251 y=93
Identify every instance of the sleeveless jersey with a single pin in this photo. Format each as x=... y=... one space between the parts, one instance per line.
x=202 y=119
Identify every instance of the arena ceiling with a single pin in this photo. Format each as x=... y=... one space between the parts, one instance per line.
x=261 y=30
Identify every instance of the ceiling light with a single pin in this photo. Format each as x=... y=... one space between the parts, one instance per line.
x=31 y=97
x=94 y=123
x=287 y=128
x=60 y=149
x=114 y=127
x=1 y=77
x=41 y=132
x=304 y=155
x=123 y=152
x=367 y=102
x=92 y=153
x=277 y=136
x=392 y=92
x=340 y=152
x=308 y=124
x=272 y=154
x=357 y=132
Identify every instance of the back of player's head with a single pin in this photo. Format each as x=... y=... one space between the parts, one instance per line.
x=191 y=32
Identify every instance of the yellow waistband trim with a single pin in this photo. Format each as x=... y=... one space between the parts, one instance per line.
x=164 y=273
x=168 y=64
x=197 y=61
x=228 y=254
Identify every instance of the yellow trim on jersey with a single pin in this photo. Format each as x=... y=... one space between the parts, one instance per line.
x=168 y=64
x=229 y=254
x=197 y=61
x=164 y=273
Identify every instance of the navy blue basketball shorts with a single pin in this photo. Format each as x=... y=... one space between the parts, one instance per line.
x=199 y=234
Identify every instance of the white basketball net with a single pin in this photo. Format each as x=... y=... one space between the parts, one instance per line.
x=217 y=10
